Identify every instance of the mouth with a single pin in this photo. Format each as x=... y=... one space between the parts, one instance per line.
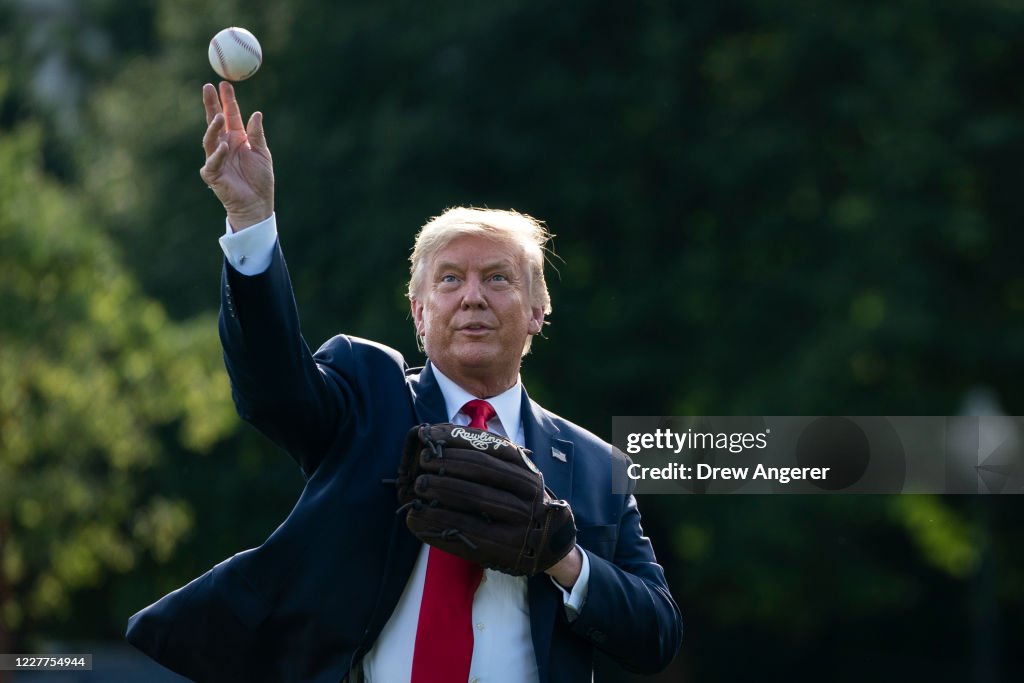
x=475 y=328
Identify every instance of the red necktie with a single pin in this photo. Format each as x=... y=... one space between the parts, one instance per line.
x=444 y=634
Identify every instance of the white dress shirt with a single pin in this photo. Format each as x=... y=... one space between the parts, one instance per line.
x=502 y=641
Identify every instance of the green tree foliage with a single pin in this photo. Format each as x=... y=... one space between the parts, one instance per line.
x=91 y=372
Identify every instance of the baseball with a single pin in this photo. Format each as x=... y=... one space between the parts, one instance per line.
x=235 y=54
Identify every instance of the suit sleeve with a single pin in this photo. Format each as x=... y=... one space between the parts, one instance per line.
x=276 y=383
x=630 y=613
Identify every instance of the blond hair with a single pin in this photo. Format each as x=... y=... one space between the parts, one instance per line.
x=525 y=232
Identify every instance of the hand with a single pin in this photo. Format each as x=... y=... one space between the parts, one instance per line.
x=567 y=570
x=238 y=166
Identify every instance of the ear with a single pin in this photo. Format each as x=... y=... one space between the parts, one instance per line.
x=417 y=315
x=536 y=321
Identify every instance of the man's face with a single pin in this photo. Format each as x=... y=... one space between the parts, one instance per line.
x=474 y=312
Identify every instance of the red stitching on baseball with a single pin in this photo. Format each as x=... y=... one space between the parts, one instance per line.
x=220 y=57
x=246 y=45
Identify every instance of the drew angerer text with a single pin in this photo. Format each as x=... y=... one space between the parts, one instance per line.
x=702 y=471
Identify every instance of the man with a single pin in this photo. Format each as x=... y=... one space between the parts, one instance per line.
x=342 y=589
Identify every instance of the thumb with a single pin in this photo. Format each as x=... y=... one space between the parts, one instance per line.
x=254 y=131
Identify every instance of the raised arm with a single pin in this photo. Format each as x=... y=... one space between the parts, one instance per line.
x=276 y=383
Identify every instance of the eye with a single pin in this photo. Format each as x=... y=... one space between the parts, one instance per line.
x=499 y=277
x=448 y=279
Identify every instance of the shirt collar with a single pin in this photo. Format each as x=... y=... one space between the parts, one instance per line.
x=508 y=404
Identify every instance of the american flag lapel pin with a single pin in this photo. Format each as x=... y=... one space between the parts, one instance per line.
x=557 y=454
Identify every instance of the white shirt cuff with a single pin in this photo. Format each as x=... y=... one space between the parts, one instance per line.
x=575 y=599
x=250 y=251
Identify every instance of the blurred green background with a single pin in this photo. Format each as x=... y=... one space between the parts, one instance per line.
x=761 y=207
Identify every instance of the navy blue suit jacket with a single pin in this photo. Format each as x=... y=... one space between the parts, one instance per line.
x=312 y=599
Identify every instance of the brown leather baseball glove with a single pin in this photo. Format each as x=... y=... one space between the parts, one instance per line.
x=479 y=496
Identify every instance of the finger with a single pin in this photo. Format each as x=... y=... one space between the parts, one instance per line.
x=484 y=470
x=210 y=102
x=213 y=162
x=257 y=136
x=429 y=531
x=210 y=140
x=463 y=496
x=427 y=524
x=231 y=111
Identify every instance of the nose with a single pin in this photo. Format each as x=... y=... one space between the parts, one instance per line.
x=473 y=294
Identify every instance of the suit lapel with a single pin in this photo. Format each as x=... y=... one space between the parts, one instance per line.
x=554 y=458
x=428 y=401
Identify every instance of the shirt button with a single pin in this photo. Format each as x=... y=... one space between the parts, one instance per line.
x=474 y=679
x=480 y=627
